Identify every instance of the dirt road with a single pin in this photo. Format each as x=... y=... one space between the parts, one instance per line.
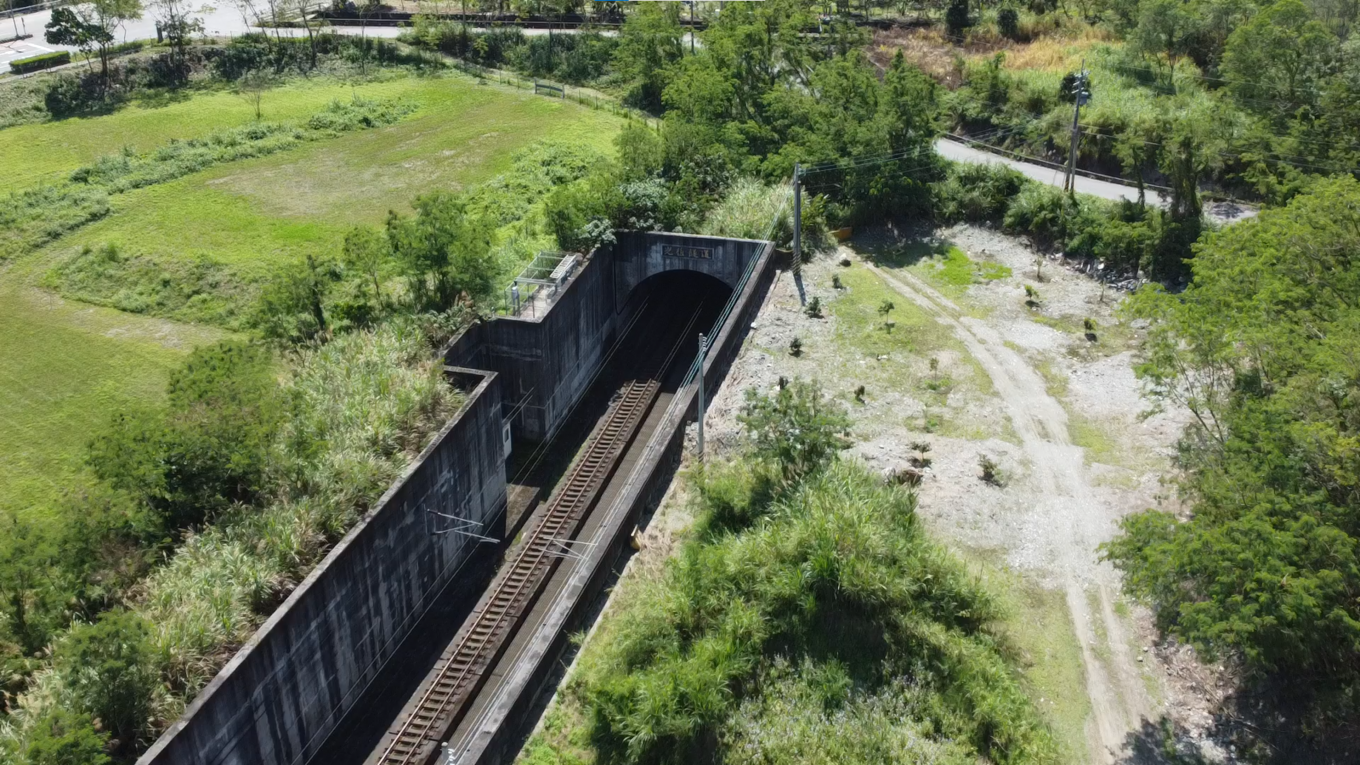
x=1068 y=509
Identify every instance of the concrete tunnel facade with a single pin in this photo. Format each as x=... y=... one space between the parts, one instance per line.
x=545 y=362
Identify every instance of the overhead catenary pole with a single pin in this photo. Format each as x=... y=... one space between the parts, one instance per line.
x=691 y=27
x=703 y=351
x=1078 y=97
x=797 y=219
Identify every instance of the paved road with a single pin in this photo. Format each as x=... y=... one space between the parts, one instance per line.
x=1225 y=212
x=222 y=21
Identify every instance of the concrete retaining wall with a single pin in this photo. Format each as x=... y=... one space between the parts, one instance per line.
x=286 y=689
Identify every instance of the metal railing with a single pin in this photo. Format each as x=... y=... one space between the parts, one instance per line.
x=30 y=8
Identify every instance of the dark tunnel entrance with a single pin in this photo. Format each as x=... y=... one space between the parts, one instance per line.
x=657 y=336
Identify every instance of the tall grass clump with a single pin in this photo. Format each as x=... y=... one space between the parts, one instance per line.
x=748 y=209
x=808 y=619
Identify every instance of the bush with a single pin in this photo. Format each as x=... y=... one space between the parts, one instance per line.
x=61 y=737
x=207 y=449
x=1008 y=22
x=815 y=618
x=110 y=671
x=1041 y=212
x=976 y=192
x=40 y=62
x=74 y=94
x=956 y=19
x=797 y=429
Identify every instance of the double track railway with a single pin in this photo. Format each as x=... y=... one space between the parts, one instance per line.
x=463 y=668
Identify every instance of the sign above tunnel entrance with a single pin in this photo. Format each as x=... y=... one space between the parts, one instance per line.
x=684 y=251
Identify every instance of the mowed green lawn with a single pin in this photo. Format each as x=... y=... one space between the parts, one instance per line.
x=50 y=150
x=253 y=214
x=65 y=368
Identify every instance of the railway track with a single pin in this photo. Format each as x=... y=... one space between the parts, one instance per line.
x=463 y=668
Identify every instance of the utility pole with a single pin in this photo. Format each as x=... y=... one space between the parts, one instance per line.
x=703 y=351
x=691 y=27
x=797 y=219
x=1081 y=94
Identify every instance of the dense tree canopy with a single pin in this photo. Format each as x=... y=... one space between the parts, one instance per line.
x=1261 y=350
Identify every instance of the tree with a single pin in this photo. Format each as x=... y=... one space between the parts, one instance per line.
x=292 y=305
x=641 y=152
x=67 y=27
x=1275 y=61
x=31 y=605
x=445 y=252
x=1259 y=350
x=252 y=86
x=649 y=42
x=1166 y=29
x=956 y=19
x=300 y=8
x=366 y=253
x=1136 y=148
x=1008 y=22
x=178 y=24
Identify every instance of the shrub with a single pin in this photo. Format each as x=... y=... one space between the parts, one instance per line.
x=110 y=671
x=207 y=448
x=976 y=192
x=822 y=619
x=61 y=737
x=748 y=211
x=40 y=62
x=956 y=19
x=797 y=429
x=1008 y=22
x=991 y=471
x=1040 y=211
x=74 y=94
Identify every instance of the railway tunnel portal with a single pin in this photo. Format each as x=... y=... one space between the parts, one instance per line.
x=547 y=353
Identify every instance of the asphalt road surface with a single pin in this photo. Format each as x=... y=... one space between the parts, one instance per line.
x=1224 y=212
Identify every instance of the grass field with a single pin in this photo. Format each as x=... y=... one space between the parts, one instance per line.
x=244 y=218
x=48 y=150
x=65 y=368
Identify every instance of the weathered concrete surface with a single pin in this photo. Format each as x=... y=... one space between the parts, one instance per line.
x=642 y=254
x=546 y=362
x=282 y=693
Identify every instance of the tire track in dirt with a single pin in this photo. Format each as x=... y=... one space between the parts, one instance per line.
x=1074 y=521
